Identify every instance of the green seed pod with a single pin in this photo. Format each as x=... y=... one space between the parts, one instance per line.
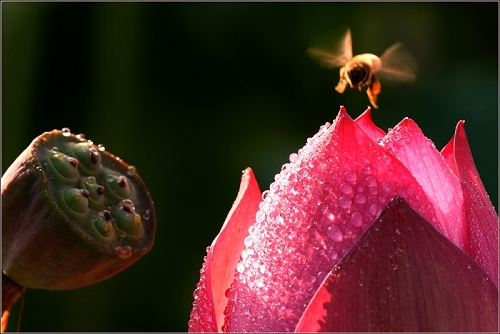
x=72 y=214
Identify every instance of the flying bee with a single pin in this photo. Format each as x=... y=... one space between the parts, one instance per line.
x=396 y=64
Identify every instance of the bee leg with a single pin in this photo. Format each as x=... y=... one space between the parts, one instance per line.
x=373 y=90
x=341 y=86
x=342 y=83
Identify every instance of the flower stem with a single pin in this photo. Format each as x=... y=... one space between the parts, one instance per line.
x=11 y=292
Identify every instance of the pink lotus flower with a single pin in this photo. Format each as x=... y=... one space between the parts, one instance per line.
x=361 y=231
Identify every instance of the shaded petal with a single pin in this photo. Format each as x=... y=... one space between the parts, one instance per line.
x=407 y=142
x=403 y=275
x=365 y=122
x=217 y=272
x=320 y=204
x=482 y=220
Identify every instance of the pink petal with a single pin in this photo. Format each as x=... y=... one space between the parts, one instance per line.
x=218 y=269
x=407 y=142
x=320 y=204
x=365 y=122
x=482 y=220
x=403 y=275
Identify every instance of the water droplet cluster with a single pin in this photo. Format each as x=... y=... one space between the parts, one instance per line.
x=202 y=316
x=99 y=198
x=317 y=208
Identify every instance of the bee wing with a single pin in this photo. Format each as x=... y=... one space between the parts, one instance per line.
x=398 y=65
x=331 y=55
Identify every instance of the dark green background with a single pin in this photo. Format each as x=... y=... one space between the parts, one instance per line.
x=193 y=93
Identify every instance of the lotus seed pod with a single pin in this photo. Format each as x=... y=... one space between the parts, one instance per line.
x=73 y=214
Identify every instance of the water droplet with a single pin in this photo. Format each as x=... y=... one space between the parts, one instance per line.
x=357 y=219
x=371 y=182
x=147 y=214
x=91 y=180
x=345 y=202
x=374 y=209
x=66 y=132
x=335 y=233
x=293 y=157
x=366 y=169
x=386 y=186
x=101 y=147
x=232 y=294
x=248 y=242
x=52 y=176
x=333 y=255
x=240 y=267
x=398 y=231
x=351 y=176
x=346 y=189
x=123 y=252
x=260 y=216
x=360 y=283
x=394 y=266
x=80 y=136
x=131 y=170
x=265 y=194
x=360 y=199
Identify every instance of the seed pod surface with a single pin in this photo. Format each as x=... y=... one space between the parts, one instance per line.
x=72 y=214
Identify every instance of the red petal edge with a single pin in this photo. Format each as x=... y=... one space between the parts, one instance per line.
x=217 y=272
x=365 y=122
x=481 y=218
x=442 y=187
x=403 y=275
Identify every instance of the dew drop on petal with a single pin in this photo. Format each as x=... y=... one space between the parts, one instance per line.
x=346 y=189
x=357 y=219
x=261 y=216
x=360 y=199
x=374 y=209
x=345 y=202
x=351 y=176
x=240 y=267
x=366 y=169
x=333 y=255
x=371 y=182
x=248 y=241
x=386 y=186
x=335 y=233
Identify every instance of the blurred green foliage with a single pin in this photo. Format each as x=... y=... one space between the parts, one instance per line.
x=193 y=93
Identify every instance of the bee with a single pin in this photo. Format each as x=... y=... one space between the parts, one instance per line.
x=395 y=65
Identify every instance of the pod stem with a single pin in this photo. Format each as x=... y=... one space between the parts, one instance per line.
x=11 y=292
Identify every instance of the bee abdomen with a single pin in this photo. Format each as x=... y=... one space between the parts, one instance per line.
x=358 y=74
